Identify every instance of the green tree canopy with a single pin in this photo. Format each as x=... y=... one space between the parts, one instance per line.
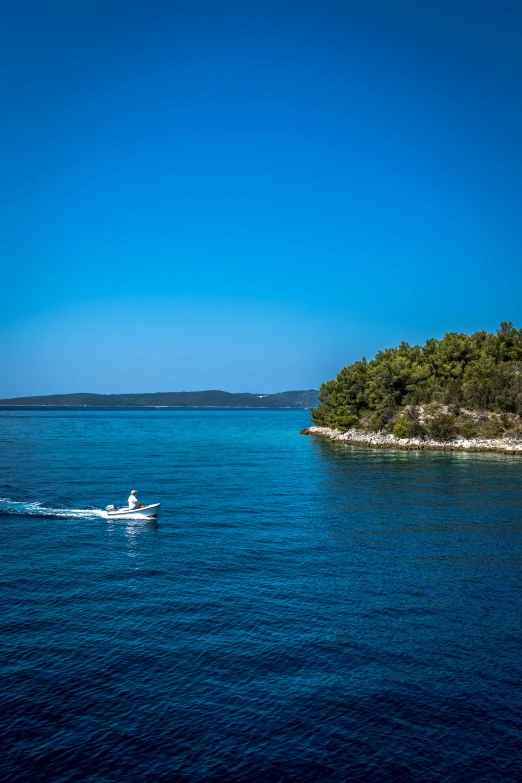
x=482 y=371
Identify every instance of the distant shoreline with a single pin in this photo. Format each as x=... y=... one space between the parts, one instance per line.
x=378 y=440
x=209 y=398
x=156 y=407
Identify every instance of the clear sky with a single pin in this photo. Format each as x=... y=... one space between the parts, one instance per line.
x=249 y=196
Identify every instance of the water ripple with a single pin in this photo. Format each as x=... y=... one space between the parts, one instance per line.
x=299 y=612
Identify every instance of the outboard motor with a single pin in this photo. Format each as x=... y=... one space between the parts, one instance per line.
x=110 y=508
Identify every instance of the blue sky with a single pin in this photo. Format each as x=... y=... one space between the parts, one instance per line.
x=249 y=196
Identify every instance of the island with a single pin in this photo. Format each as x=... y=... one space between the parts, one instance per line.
x=463 y=393
x=197 y=399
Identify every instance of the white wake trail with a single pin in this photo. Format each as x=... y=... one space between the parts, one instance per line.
x=12 y=507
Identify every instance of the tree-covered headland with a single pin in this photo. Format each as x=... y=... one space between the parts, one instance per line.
x=468 y=385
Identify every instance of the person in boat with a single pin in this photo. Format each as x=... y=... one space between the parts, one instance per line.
x=133 y=500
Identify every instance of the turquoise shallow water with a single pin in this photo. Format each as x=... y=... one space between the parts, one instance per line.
x=301 y=611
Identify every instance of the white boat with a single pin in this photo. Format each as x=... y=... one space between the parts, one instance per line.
x=133 y=513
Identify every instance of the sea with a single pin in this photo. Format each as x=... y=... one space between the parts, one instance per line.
x=300 y=611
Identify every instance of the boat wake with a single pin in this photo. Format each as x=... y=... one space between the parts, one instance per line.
x=36 y=509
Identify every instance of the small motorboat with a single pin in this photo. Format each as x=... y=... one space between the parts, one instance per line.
x=133 y=513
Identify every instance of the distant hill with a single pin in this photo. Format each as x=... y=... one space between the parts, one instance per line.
x=205 y=399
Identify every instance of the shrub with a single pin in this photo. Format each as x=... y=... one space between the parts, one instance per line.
x=505 y=420
x=468 y=428
x=376 y=423
x=492 y=429
x=412 y=413
x=442 y=426
x=505 y=404
x=401 y=427
x=344 y=418
x=416 y=430
x=381 y=419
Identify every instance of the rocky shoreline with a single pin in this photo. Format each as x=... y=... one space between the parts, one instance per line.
x=380 y=440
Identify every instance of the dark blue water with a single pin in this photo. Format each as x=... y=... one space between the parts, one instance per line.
x=301 y=611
